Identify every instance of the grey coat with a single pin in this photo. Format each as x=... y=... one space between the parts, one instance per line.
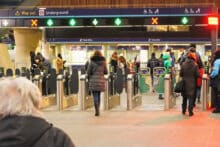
x=96 y=70
x=189 y=72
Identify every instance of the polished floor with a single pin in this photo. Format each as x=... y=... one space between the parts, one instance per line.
x=149 y=127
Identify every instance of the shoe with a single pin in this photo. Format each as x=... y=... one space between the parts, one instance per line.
x=183 y=112
x=216 y=111
x=161 y=98
x=191 y=114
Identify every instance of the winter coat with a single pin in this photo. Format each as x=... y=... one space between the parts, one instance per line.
x=152 y=63
x=59 y=64
x=28 y=131
x=96 y=70
x=189 y=72
x=167 y=63
x=199 y=79
x=215 y=68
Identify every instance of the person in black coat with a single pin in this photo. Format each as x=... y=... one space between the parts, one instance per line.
x=22 y=124
x=189 y=72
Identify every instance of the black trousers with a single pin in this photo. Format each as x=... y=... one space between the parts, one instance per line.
x=184 y=103
x=216 y=98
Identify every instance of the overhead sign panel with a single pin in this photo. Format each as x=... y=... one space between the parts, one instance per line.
x=113 y=12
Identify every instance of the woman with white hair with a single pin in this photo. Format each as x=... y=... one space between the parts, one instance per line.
x=21 y=121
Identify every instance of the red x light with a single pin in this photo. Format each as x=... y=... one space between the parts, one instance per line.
x=213 y=20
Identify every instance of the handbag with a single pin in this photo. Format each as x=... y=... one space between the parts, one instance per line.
x=179 y=86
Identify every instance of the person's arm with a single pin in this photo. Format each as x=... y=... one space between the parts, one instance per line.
x=215 y=70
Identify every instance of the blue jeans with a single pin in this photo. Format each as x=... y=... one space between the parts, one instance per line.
x=96 y=97
x=198 y=91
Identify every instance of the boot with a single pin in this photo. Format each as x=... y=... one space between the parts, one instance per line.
x=96 y=109
x=183 y=109
x=190 y=112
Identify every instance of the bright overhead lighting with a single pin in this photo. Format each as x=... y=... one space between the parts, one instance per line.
x=5 y=23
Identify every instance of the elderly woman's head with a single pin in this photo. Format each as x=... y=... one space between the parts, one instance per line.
x=19 y=96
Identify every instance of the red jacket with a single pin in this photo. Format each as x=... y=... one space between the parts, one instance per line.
x=199 y=79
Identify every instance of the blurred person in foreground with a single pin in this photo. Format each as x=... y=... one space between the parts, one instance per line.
x=22 y=123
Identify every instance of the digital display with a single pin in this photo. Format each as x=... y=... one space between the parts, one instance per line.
x=114 y=22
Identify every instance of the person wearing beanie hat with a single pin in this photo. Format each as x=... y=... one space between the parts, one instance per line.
x=189 y=72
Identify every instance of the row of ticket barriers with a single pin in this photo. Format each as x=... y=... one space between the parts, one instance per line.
x=70 y=89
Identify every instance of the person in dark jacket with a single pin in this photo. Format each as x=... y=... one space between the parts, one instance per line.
x=152 y=63
x=96 y=70
x=189 y=72
x=215 y=78
x=114 y=62
x=22 y=124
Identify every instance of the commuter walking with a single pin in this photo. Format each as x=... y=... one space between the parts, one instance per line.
x=33 y=64
x=122 y=64
x=215 y=81
x=152 y=63
x=22 y=123
x=114 y=62
x=137 y=63
x=96 y=70
x=59 y=63
x=189 y=72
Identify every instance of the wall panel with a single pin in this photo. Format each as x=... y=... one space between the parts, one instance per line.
x=124 y=3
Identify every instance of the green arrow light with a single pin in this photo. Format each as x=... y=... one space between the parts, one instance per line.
x=72 y=22
x=118 y=21
x=184 y=20
x=50 y=22
x=95 y=22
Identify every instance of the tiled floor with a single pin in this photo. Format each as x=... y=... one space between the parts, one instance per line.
x=140 y=127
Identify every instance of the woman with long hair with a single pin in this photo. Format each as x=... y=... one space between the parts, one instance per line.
x=96 y=70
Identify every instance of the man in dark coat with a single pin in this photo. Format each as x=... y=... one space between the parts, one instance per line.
x=189 y=72
x=152 y=63
x=22 y=124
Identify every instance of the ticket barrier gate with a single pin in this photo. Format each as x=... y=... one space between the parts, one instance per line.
x=134 y=98
x=48 y=90
x=205 y=92
x=86 y=99
x=111 y=97
x=170 y=100
x=69 y=97
x=145 y=82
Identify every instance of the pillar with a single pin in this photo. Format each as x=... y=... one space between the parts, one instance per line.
x=5 y=60
x=26 y=40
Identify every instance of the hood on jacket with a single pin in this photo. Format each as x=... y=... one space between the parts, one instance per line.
x=98 y=59
x=21 y=131
x=166 y=56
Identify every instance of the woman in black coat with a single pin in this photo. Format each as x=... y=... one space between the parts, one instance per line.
x=189 y=72
x=96 y=70
x=22 y=124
